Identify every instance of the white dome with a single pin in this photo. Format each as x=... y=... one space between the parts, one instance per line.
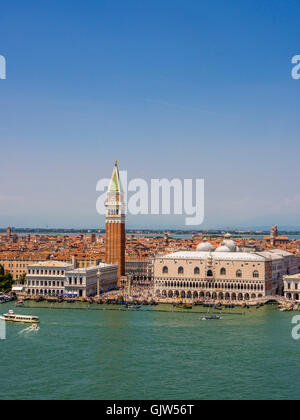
x=223 y=248
x=230 y=244
x=205 y=247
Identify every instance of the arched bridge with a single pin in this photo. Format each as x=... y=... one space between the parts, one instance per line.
x=270 y=298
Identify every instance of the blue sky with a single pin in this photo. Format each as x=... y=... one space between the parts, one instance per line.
x=172 y=88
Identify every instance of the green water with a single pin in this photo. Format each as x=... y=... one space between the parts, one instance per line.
x=96 y=354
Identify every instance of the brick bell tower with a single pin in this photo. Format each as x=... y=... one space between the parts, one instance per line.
x=115 y=238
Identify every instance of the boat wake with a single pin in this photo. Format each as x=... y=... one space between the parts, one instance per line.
x=32 y=328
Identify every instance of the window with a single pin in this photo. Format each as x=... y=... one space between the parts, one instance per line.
x=165 y=270
x=223 y=271
x=255 y=274
x=239 y=273
x=197 y=270
x=180 y=270
x=209 y=273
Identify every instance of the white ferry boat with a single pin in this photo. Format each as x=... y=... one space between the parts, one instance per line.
x=12 y=317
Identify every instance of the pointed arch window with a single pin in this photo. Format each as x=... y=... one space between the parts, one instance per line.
x=197 y=270
x=223 y=271
x=180 y=270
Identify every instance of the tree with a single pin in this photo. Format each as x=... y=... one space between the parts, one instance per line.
x=6 y=283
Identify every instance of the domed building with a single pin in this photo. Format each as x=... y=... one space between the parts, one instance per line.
x=229 y=243
x=223 y=248
x=205 y=246
x=224 y=274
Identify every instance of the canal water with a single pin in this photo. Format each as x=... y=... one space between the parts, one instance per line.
x=112 y=354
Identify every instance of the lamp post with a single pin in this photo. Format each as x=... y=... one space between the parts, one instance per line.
x=129 y=285
x=98 y=282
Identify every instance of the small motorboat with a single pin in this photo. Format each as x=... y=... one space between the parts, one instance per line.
x=211 y=317
x=133 y=307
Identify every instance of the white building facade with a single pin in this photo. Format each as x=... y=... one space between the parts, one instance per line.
x=292 y=287
x=223 y=274
x=54 y=278
x=47 y=278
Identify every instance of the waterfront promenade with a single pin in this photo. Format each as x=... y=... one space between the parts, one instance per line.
x=142 y=295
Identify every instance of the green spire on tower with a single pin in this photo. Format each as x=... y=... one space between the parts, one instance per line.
x=115 y=183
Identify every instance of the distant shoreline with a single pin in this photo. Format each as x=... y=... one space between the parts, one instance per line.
x=153 y=233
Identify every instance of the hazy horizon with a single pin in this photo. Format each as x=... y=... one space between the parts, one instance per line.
x=187 y=229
